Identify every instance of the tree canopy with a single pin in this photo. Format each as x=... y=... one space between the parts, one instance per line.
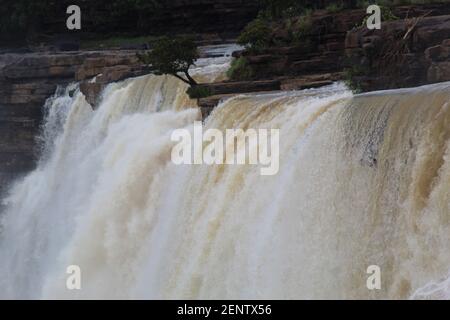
x=173 y=56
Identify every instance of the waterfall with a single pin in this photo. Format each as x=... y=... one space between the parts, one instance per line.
x=363 y=180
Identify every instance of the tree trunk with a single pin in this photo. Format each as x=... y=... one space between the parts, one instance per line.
x=181 y=78
x=192 y=82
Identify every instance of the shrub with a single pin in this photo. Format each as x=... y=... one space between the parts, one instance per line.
x=352 y=76
x=335 y=7
x=387 y=14
x=277 y=9
x=197 y=92
x=303 y=27
x=240 y=70
x=256 y=35
x=23 y=18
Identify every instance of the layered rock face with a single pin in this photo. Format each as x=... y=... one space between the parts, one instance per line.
x=320 y=49
x=330 y=38
x=403 y=53
x=27 y=80
x=223 y=90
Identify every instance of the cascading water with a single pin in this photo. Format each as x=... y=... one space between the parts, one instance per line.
x=363 y=180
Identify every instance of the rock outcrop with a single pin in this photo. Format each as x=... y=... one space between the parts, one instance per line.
x=224 y=90
x=27 y=80
x=320 y=50
x=329 y=39
x=237 y=87
x=403 y=53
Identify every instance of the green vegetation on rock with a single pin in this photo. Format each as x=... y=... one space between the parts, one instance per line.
x=303 y=26
x=26 y=19
x=279 y=9
x=256 y=35
x=335 y=7
x=20 y=17
x=197 y=92
x=240 y=70
x=352 y=76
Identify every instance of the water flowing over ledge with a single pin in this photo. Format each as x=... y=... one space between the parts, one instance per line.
x=363 y=180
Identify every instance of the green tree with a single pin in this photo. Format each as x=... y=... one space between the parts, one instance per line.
x=256 y=35
x=275 y=9
x=173 y=56
x=19 y=18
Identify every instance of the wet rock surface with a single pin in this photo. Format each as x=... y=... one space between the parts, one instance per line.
x=27 y=80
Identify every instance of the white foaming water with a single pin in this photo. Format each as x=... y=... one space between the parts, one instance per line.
x=363 y=180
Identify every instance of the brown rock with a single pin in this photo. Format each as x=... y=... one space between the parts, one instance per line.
x=438 y=53
x=439 y=72
x=221 y=88
x=91 y=91
x=422 y=59
x=27 y=80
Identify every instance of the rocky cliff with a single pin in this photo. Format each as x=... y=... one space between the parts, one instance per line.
x=410 y=51
x=321 y=47
x=27 y=80
x=404 y=53
x=314 y=50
